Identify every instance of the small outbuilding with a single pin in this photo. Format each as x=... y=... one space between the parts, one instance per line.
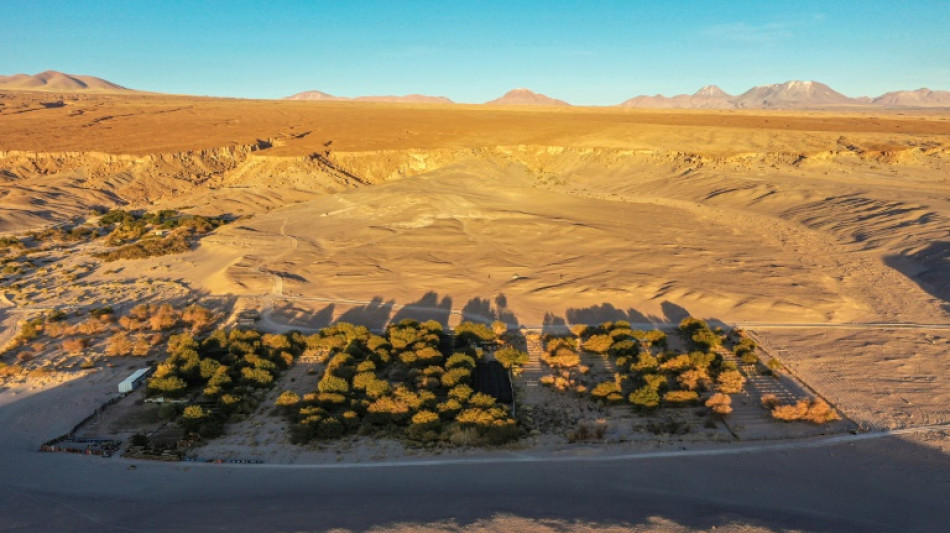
x=247 y=318
x=133 y=382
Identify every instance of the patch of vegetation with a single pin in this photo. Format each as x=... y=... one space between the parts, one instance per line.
x=165 y=232
x=137 y=333
x=646 y=374
x=815 y=411
x=173 y=244
x=399 y=385
x=222 y=377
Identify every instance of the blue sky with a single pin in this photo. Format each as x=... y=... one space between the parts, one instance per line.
x=596 y=53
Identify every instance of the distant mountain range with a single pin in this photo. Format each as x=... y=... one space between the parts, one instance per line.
x=57 y=81
x=709 y=97
x=791 y=94
x=788 y=95
x=407 y=99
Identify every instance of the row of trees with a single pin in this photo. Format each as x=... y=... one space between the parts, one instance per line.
x=399 y=384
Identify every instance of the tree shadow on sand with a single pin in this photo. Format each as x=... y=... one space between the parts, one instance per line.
x=484 y=310
x=607 y=312
x=374 y=315
x=429 y=307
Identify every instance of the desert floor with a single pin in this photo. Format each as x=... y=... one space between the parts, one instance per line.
x=827 y=233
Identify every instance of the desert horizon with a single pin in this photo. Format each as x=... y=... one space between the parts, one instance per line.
x=791 y=94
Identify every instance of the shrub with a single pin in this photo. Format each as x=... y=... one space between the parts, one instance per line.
x=473 y=333
x=194 y=412
x=75 y=346
x=602 y=390
x=645 y=362
x=287 y=399
x=681 y=397
x=645 y=398
x=676 y=364
x=377 y=388
x=102 y=312
x=119 y=345
x=425 y=426
x=331 y=383
x=165 y=317
x=563 y=357
x=730 y=381
x=656 y=382
x=480 y=399
x=720 y=404
x=131 y=323
x=769 y=401
x=750 y=358
x=199 y=317
x=387 y=409
x=816 y=411
x=624 y=348
x=449 y=408
x=456 y=376
x=695 y=380
x=171 y=386
x=461 y=393
x=141 y=346
x=598 y=343
x=257 y=376
x=363 y=379
x=703 y=360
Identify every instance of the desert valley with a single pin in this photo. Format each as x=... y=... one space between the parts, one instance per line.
x=393 y=286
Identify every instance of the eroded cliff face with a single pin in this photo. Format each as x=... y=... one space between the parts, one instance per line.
x=38 y=188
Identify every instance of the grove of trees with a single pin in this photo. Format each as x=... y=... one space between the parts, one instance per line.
x=398 y=384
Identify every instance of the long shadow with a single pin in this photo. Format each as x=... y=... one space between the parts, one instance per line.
x=305 y=318
x=324 y=317
x=374 y=315
x=478 y=310
x=929 y=268
x=484 y=310
x=607 y=312
x=674 y=313
x=429 y=307
x=553 y=325
x=502 y=311
x=595 y=314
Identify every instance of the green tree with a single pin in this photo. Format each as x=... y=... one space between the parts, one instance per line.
x=511 y=358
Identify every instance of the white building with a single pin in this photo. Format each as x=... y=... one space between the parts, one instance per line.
x=132 y=382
